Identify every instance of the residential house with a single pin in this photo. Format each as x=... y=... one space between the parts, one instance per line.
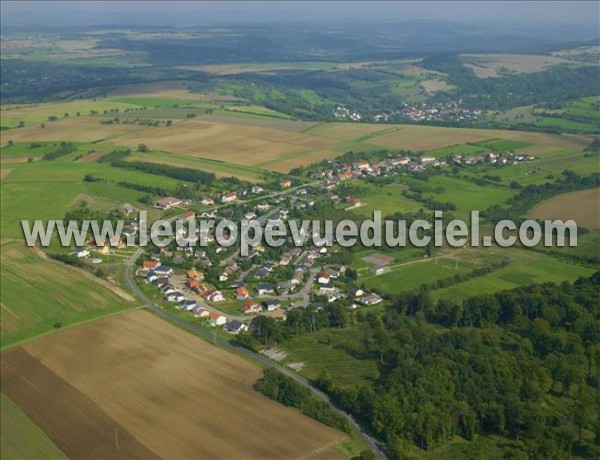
x=235 y=327
x=216 y=319
x=166 y=202
x=163 y=270
x=241 y=293
x=284 y=287
x=250 y=307
x=187 y=304
x=214 y=296
x=187 y=216
x=201 y=312
x=355 y=291
x=272 y=304
x=324 y=278
x=228 y=197
x=208 y=201
x=265 y=289
x=286 y=183
x=371 y=299
x=326 y=288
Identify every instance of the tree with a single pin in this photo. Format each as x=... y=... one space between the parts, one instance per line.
x=143 y=148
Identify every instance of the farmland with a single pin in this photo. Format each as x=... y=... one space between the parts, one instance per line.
x=495 y=65
x=582 y=207
x=41 y=295
x=178 y=381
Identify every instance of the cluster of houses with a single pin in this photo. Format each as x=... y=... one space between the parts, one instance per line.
x=332 y=293
x=441 y=112
x=344 y=113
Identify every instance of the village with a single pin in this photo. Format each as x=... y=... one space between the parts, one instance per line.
x=227 y=290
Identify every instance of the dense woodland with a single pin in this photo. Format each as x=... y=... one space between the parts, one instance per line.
x=522 y=364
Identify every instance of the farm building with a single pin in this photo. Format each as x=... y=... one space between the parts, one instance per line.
x=166 y=202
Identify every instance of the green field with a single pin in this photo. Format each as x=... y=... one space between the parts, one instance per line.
x=325 y=352
x=526 y=267
x=414 y=274
x=40 y=295
x=21 y=438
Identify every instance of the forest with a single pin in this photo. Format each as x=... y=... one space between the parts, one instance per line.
x=521 y=364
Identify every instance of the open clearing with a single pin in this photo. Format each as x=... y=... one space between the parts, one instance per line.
x=583 y=207
x=38 y=293
x=495 y=65
x=160 y=391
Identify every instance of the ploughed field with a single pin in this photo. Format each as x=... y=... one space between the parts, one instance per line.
x=134 y=386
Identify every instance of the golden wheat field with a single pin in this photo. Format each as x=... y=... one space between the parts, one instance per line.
x=134 y=386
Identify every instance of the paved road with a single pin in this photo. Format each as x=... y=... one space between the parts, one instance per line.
x=211 y=337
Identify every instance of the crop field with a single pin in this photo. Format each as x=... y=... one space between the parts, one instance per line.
x=38 y=295
x=21 y=438
x=165 y=385
x=580 y=206
x=495 y=65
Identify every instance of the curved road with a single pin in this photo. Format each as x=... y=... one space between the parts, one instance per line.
x=208 y=336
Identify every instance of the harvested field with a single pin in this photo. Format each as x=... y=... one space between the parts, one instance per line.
x=4 y=172
x=164 y=393
x=168 y=89
x=246 y=145
x=433 y=86
x=488 y=65
x=583 y=207
x=432 y=137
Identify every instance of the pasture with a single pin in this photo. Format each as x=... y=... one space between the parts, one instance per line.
x=168 y=395
x=40 y=295
x=582 y=206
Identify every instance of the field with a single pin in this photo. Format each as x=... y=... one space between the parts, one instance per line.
x=580 y=206
x=38 y=294
x=21 y=438
x=167 y=395
x=495 y=65
x=526 y=267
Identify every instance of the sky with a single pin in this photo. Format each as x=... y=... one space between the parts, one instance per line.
x=189 y=13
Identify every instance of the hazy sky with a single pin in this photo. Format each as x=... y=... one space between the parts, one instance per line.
x=188 y=13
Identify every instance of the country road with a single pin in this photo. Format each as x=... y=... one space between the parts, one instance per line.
x=212 y=338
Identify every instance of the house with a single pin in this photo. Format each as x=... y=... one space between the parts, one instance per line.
x=201 y=312
x=335 y=271
x=354 y=291
x=214 y=296
x=371 y=299
x=250 y=307
x=187 y=216
x=160 y=281
x=257 y=189
x=272 y=304
x=425 y=160
x=353 y=201
x=150 y=264
x=216 y=319
x=362 y=165
x=81 y=252
x=241 y=293
x=208 y=201
x=223 y=277
x=323 y=278
x=166 y=202
x=235 y=327
x=265 y=288
x=284 y=287
x=326 y=288
x=163 y=270
x=262 y=207
x=174 y=296
x=286 y=183
x=228 y=197
x=187 y=304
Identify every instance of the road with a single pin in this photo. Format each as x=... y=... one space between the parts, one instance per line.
x=212 y=338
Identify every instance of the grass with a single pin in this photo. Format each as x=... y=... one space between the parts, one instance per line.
x=325 y=352
x=526 y=267
x=503 y=145
x=38 y=295
x=21 y=438
x=413 y=275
